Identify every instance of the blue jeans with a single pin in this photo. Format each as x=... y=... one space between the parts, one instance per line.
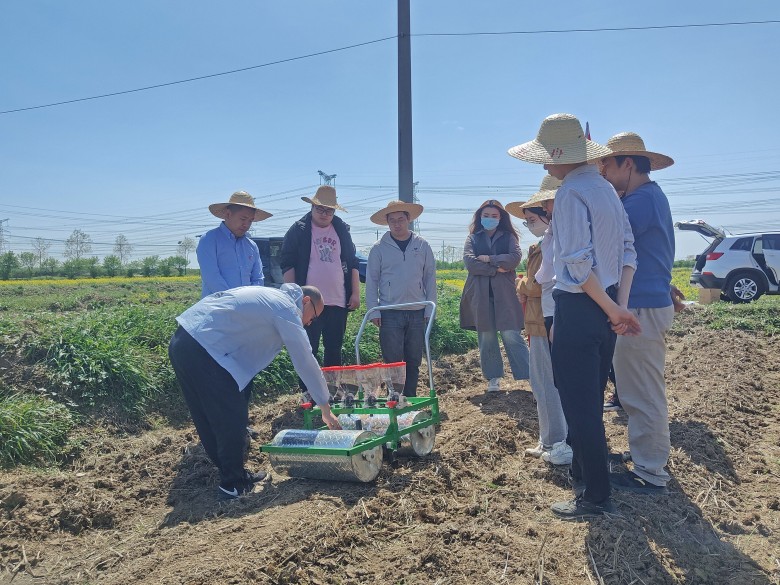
x=402 y=337
x=490 y=352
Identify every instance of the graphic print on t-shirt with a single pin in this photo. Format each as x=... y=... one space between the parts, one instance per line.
x=325 y=246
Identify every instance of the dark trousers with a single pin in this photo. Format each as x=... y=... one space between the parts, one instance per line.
x=220 y=412
x=330 y=325
x=401 y=337
x=581 y=357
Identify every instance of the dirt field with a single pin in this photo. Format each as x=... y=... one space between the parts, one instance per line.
x=143 y=509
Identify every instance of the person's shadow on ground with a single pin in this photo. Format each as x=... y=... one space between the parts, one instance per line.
x=621 y=548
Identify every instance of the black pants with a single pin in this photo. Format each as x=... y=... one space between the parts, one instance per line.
x=220 y=412
x=331 y=325
x=581 y=357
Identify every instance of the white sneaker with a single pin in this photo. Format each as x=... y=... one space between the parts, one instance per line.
x=560 y=454
x=494 y=385
x=537 y=451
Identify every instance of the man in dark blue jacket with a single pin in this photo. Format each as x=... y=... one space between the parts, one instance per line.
x=318 y=251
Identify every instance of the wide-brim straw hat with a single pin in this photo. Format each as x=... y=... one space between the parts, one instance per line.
x=546 y=192
x=243 y=199
x=413 y=209
x=631 y=144
x=560 y=141
x=326 y=197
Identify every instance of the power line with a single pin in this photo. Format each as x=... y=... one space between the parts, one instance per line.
x=191 y=79
x=348 y=47
x=590 y=30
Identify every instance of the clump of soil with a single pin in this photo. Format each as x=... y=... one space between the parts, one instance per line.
x=143 y=509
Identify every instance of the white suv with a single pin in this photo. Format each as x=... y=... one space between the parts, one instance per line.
x=743 y=267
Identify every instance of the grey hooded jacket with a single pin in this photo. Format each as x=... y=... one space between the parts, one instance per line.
x=394 y=277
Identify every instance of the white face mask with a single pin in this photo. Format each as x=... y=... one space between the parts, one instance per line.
x=537 y=228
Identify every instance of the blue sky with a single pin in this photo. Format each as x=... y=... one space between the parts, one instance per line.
x=148 y=164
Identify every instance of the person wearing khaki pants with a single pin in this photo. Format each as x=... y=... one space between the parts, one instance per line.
x=639 y=361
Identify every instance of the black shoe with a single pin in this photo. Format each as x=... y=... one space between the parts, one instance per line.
x=233 y=491
x=579 y=508
x=612 y=404
x=631 y=482
x=619 y=458
x=253 y=478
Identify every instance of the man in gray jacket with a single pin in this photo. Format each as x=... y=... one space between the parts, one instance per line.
x=401 y=269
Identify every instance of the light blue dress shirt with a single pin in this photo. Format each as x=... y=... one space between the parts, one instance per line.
x=245 y=328
x=227 y=261
x=591 y=231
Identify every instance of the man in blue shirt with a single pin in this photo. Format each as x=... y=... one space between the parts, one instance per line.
x=639 y=361
x=222 y=342
x=227 y=258
x=594 y=262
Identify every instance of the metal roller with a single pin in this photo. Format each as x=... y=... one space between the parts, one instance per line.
x=364 y=466
x=419 y=442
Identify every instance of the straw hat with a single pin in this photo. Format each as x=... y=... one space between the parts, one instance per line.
x=560 y=141
x=243 y=199
x=413 y=209
x=546 y=192
x=630 y=143
x=326 y=197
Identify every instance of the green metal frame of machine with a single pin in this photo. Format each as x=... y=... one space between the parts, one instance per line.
x=392 y=436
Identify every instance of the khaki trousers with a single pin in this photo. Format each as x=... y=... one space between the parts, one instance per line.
x=639 y=372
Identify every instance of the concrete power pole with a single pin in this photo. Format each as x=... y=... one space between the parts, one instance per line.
x=405 y=165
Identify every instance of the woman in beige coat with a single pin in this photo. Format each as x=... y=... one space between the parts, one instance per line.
x=489 y=304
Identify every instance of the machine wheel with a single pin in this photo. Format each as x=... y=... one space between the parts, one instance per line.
x=744 y=287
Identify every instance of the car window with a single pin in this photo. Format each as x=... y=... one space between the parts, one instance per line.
x=745 y=244
x=771 y=241
x=758 y=248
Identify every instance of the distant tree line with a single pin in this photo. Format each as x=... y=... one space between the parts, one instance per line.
x=78 y=263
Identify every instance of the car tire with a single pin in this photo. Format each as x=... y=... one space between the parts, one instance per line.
x=744 y=287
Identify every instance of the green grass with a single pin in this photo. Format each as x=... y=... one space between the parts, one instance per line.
x=33 y=429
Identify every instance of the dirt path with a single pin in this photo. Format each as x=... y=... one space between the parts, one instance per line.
x=142 y=509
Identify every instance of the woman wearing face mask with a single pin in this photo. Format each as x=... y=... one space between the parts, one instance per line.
x=489 y=304
x=535 y=291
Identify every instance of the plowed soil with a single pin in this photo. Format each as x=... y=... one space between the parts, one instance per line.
x=142 y=508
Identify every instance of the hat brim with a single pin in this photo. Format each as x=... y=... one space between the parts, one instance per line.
x=657 y=160
x=219 y=210
x=534 y=151
x=413 y=209
x=515 y=208
x=316 y=201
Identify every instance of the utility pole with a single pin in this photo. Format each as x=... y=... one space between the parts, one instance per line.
x=326 y=179
x=405 y=161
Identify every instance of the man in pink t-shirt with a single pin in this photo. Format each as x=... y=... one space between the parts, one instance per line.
x=318 y=251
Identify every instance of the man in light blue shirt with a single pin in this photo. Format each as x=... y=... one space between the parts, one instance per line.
x=594 y=262
x=222 y=342
x=227 y=258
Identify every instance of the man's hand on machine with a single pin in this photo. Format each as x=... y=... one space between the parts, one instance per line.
x=329 y=419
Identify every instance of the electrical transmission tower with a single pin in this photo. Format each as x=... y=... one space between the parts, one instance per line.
x=2 y=236
x=415 y=227
x=327 y=179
